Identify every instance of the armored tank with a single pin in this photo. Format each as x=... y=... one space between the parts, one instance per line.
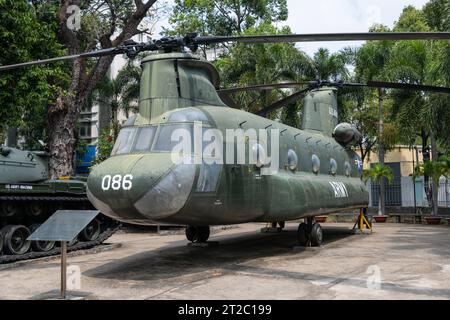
x=28 y=198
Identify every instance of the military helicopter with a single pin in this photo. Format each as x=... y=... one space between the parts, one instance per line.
x=310 y=171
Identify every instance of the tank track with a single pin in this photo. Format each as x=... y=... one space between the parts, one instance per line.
x=110 y=228
x=79 y=246
x=43 y=198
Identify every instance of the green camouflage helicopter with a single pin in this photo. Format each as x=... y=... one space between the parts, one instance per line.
x=188 y=158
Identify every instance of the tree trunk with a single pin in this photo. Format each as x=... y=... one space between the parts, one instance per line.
x=62 y=116
x=426 y=158
x=434 y=180
x=61 y=119
x=62 y=140
x=381 y=155
x=11 y=138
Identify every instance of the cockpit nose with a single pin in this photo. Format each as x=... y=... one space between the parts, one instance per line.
x=140 y=188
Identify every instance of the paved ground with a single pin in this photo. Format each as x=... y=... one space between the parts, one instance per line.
x=413 y=262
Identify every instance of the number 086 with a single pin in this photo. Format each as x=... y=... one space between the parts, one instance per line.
x=117 y=182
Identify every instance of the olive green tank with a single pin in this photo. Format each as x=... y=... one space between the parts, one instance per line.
x=28 y=198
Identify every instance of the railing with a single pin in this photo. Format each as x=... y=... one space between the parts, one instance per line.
x=400 y=193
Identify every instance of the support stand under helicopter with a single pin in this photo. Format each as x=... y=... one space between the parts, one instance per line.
x=363 y=221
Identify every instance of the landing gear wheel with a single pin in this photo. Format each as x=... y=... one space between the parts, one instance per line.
x=8 y=209
x=197 y=234
x=203 y=234
x=302 y=234
x=1 y=244
x=15 y=239
x=91 y=232
x=282 y=224
x=41 y=246
x=316 y=235
x=191 y=233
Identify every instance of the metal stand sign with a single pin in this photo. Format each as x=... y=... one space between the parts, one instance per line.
x=64 y=226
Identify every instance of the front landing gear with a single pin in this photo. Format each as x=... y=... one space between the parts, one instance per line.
x=197 y=234
x=310 y=233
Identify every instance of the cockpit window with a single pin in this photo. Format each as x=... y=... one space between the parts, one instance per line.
x=124 y=141
x=164 y=141
x=144 y=139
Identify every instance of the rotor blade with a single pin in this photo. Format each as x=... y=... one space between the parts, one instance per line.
x=98 y=53
x=406 y=86
x=264 y=87
x=362 y=36
x=281 y=103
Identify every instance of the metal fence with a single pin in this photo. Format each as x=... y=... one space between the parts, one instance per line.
x=392 y=195
x=401 y=191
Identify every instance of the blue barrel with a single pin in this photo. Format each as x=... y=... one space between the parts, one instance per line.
x=84 y=162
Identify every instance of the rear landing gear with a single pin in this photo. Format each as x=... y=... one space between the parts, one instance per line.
x=310 y=233
x=197 y=234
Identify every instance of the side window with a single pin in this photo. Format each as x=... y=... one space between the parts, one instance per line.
x=144 y=139
x=124 y=141
x=164 y=141
x=315 y=163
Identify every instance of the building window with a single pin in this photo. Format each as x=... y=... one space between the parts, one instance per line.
x=87 y=108
x=85 y=130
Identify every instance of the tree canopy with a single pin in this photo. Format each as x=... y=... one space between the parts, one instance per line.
x=26 y=34
x=224 y=17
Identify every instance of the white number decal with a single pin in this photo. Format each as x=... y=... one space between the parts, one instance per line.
x=340 y=191
x=117 y=182
x=106 y=182
x=127 y=184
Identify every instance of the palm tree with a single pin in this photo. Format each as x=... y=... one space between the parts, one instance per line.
x=435 y=170
x=332 y=67
x=120 y=93
x=378 y=174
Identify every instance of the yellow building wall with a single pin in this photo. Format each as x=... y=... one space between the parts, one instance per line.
x=402 y=154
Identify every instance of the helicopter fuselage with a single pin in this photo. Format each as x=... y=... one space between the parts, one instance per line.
x=141 y=184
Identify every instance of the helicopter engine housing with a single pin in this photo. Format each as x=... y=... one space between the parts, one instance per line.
x=347 y=135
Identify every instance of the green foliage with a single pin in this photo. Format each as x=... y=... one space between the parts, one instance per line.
x=120 y=93
x=224 y=17
x=433 y=169
x=437 y=14
x=411 y=114
x=445 y=166
x=331 y=67
x=263 y=63
x=26 y=34
x=104 y=147
x=377 y=173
